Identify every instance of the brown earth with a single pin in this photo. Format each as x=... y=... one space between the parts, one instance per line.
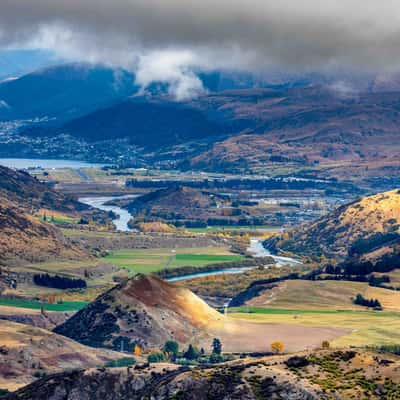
x=148 y=311
x=26 y=350
x=334 y=234
x=24 y=237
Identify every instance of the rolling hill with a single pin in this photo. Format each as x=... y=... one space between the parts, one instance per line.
x=26 y=352
x=22 y=235
x=143 y=310
x=148 y=311
x=367 y=228
x=63 y=91
x=20 y=187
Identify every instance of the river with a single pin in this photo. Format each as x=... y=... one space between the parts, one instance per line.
x=208 y=273
x=121 y=223
x=257 y=249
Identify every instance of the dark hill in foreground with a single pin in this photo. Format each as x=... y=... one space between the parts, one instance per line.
x=323 y=375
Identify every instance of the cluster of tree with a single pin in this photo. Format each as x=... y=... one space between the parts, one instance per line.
x=362 y=246
x=372 y=303
x=186 y=270
x=58 y=282
x=170 y=352
x=236 y=184
x=204 y=223
x=389 y=348
x=338 y=274
x=386 y=263
x=121 y=362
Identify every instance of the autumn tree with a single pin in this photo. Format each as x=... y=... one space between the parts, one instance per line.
x=277 y=347
x=325 y=344
x=137 y=350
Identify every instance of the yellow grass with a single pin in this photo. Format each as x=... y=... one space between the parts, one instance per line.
x=367 y=329
x=333 y=295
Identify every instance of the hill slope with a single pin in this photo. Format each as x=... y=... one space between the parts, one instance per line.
x=64 y=91
x=24 y=189
x=24 y=237
x=143 y=310
x=26 y=350
x=369 y=225
x=322 y=375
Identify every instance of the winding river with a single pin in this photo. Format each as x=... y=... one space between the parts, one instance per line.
x=121 y=223
x=256 y=248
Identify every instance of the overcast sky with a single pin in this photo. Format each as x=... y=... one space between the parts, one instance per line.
x=168 y=39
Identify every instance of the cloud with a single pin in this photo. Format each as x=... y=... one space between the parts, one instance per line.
x=170 y=38
x=173 y=68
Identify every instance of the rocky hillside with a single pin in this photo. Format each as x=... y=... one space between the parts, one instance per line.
x=143 y=310
x=324 y=375
x=369 y=227
x=24 y=237
x=24 y=189
x=27 y=353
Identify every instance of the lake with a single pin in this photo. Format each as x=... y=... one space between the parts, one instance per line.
x=25 y=163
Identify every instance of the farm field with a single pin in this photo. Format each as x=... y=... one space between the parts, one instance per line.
x=37 y=305
x=329 y=295
x=367 y=328
x=152 y=260
x=209 y=229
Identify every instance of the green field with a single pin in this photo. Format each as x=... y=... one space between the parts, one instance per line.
x=37 y=305
x=211 y=229
x=59 y=220
x=152 y=260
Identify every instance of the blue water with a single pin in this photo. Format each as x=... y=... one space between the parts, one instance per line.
x=24 y=163
x=209 y=273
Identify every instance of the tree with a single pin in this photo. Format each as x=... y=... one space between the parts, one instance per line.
x=216 y=346
x=137 y=350
x=191 y=353
x=171 y=348
x=155 y=357
x=325 y=344
x=277 y=347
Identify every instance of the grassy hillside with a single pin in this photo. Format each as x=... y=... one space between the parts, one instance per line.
x=24 y=237
x=319 y=295
x=28 y=353
x=371 y=224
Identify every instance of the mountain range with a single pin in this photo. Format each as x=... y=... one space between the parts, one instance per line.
x=238 y=124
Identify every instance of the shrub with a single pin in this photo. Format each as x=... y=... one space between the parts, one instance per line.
x=373 y=303
x=121 y=362
x=155 y=357
x=191 y=353
x=325 y=344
